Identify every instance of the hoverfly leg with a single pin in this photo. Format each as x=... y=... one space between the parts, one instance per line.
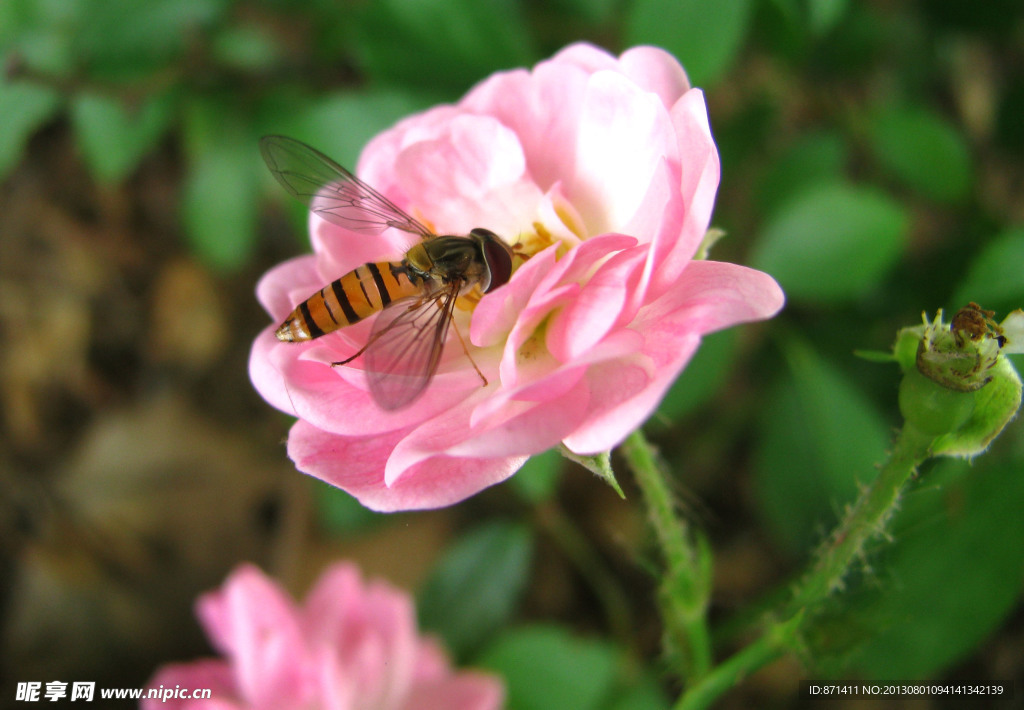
x=347 y=360
x=462 y=342
x=373 y=338
x=359 y=352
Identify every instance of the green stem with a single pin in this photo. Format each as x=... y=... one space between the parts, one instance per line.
x=725 y=676
x=685 y=588
x=865 y=520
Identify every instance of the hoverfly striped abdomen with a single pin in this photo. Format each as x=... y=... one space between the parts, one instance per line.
x=406 y=342
x=350 y=299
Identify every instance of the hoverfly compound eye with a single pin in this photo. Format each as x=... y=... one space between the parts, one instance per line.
x=498 y=256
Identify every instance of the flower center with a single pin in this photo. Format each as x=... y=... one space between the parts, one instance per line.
x=531 y=243
x=567 y=230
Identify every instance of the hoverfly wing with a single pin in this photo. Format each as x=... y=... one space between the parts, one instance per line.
x=332 y=191
x=406 y=344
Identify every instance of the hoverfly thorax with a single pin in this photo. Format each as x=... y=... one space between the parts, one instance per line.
x=413 y=299
x=479 y=259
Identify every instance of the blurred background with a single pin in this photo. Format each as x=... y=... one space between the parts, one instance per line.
x=873 y=162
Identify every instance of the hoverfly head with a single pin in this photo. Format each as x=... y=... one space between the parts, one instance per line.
x=498 y=257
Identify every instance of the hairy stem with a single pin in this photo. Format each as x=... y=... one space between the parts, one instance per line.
x=775 y=642
x=865 y=520
x=685 y=587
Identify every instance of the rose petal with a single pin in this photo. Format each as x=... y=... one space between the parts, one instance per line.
x=253 y=623
x=371 y=631
x=471 y=175
x=587 y=57
x=497 y=312
x=338 y=399
x=540 y=108
x=624 y=134
x=463 y=692
x=595 y=310
x=712 y=296
x=265 y=375
x=286 y=285
x=654 y=69
x=527 y=427
x=340 y=250
x=355 y=466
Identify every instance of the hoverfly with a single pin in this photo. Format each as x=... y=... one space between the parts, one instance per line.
x=414 y=296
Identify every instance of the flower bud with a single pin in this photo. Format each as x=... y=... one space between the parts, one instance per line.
x=960 y=356
x=958 y=386
x=932 y=408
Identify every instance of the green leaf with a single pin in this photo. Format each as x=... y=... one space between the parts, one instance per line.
x=704 y=36
x=246 y=47
x=924 y=151
x=995 y=277
x=23 y=108
x=643 y=695
x=127 y=39
x=823 y=15
x=595 y=11
x=819 y=440
x=816 y=158
x=952 y=574
x=444 y=44
x=803 y=19
x=538 y=479
x=34 y=33
x=832 y=243
x=545 y=668
x=475 y=587
x=220 y=192
x=112 y=137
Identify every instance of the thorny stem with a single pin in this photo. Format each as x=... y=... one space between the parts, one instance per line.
x=725 y=676
x=685 y=588
x=865 y=520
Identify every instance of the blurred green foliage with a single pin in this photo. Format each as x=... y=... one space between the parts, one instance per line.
x=871 y=154
x=543 y=667
x=820 y=438
x=476 y=586
x=832 y=243
x=705 y=36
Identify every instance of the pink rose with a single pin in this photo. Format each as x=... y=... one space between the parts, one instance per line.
x=603 y=171
x=353 y=645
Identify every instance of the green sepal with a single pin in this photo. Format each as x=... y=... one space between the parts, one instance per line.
x=598 y=464
x=995 y=405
